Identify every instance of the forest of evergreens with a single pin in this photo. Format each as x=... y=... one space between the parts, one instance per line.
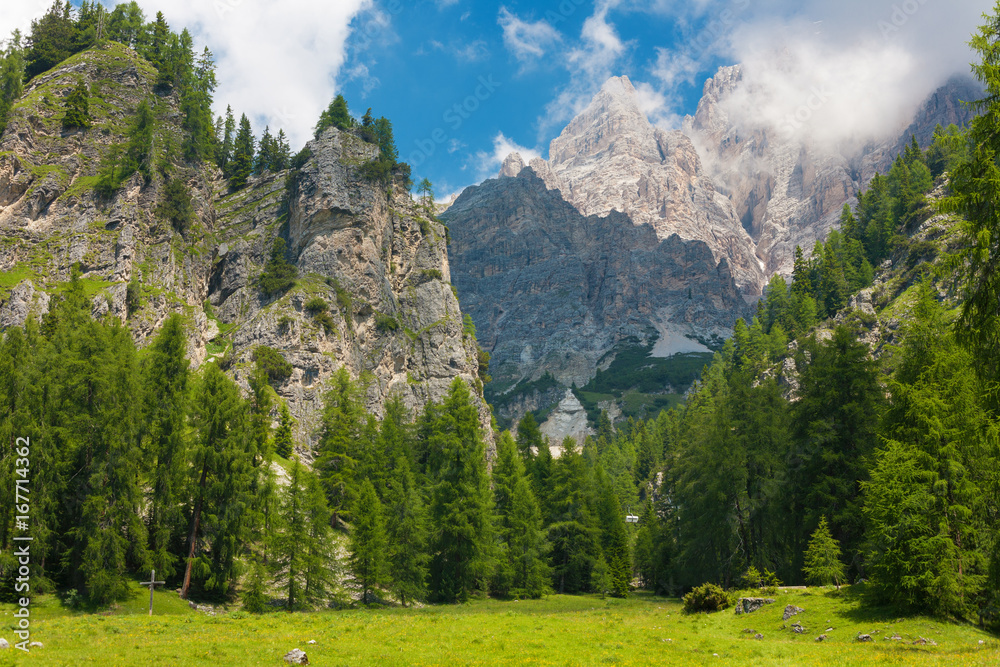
x=892 y=465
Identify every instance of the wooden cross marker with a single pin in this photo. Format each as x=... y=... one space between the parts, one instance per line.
x=152 y=583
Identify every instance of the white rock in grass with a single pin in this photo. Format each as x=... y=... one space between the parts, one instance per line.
x=296 y=657
x=5 y=644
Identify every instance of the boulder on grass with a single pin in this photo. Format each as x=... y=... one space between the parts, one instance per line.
x=790 y=611
x=296 y=657
x=750 y=605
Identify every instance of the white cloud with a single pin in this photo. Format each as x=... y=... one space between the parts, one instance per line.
x=276 y=62
x=18 y=15
x=487 y=164
x=527 y=41
x=598 y=56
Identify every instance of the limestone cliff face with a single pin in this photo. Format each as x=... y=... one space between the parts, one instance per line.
x=610 y=158
x=551 y=290
x=787 y=191
x=376 y=258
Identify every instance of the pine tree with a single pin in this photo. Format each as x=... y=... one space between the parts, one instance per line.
x=166 y=401
x=221 y=484
x=283 y=442
x=77 y=107
x=337 y=453
x=822 y=559
x=368 y=542
x=460 y=511
x=243 y=155
x=224 y=154
x=302 y=545
x=406 y=530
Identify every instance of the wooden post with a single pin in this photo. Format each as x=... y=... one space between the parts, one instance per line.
x=152 y=583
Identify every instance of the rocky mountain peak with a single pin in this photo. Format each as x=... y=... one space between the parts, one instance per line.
x=611 y=158
x=512 y=165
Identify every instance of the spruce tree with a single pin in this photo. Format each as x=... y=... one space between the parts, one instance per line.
x=368 y=542
x=460 y=511
x=572 y=530
x=337 y=452
x=166 y=408
x=406 y=531
x=77 y=107
x=614 y=539
x=224 y=153
x=222 y=479
x=243 y=155
x=822 y=559
x=283 y=442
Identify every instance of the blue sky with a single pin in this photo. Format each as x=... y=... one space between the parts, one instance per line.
x=520 y=70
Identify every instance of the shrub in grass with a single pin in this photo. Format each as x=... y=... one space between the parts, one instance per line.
x=707 y=597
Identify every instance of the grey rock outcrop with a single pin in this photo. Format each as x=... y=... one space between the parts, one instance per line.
x=750 y=605
x=611 y=158
x=552 y=290
x=370 y=252
x=791 y=610
x=24 y=301
x=785 y=190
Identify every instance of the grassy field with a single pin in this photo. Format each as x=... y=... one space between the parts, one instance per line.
x=558 y=630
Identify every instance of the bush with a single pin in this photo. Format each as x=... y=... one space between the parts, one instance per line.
x=432 y=274
x=315 y=305
x=707 y=597
x=133 y=297
x=272 y=363
x=386 y=322
x=324 y=320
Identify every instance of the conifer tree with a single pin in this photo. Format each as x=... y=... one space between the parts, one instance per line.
x=406 y=531
x=77 y=107
x=166 y=401
x=822 y=559
x=224 y=153
x=614 y=539
x=572 y=530
x=460 y=511
x=337 y=453
x=368 y=542
x=11 y=76
x=283 y=443
x=529 y=439
x=302 y=545
x=243 y=155
x=221 y=483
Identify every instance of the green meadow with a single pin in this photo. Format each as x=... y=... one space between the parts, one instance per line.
x=556 y=630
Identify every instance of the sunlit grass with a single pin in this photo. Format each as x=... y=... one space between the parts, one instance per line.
x=557 y=630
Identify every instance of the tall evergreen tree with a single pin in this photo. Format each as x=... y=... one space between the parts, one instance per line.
x=243 y=155
x=460 y=510
x=221 y=483
x=166 y=401
x=368 y=542
x=283 y=443
x=337 y=453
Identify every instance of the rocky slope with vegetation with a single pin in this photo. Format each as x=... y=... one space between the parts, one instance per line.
x=371 y=291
